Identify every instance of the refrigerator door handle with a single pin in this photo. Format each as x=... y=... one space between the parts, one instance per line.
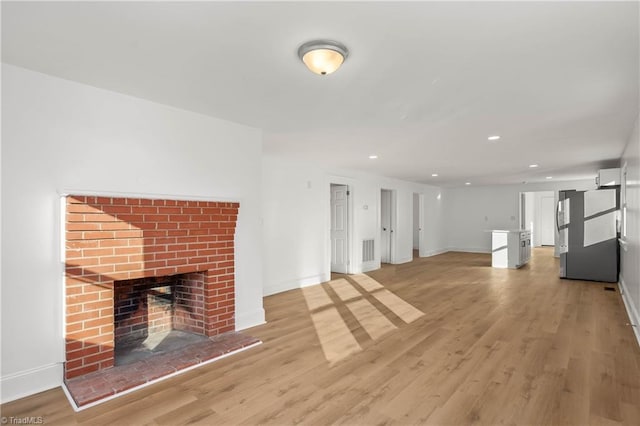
x=558 y=216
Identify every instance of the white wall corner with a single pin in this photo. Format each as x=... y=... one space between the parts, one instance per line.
x=435 y=252
x=403 y=260
x=295 y=284
x=250 y=319
x=470 y=249
x=634 y=318
x=29 y=382
x=370 y=266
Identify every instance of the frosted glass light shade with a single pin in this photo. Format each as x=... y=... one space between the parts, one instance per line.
x=323 y=61
x=322 y=56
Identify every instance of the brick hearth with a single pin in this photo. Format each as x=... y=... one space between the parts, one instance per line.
x=115 y=239
x=100 y=385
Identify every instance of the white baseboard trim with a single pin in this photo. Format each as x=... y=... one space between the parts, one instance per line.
x=634 y=318
x=470 y=249
x=250 y=319
x=294 y=284
x=434 y=252
x=370 y=266
x=403 y=260
x=28 y=382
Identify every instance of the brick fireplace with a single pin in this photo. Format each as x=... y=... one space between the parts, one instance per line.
x=141 y=250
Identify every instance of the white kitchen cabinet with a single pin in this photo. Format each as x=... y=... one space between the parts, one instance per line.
x=510 y=248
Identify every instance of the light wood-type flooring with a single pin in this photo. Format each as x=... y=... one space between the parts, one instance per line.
x=492 y=346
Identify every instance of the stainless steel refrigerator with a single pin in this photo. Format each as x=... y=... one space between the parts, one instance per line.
x=587 y=223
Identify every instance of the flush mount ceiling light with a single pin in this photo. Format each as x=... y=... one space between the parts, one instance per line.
x=493 y=138
x=323 y=56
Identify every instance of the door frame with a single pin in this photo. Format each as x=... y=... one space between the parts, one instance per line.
x=539 y=220
x=522 y=203
x=421 y=221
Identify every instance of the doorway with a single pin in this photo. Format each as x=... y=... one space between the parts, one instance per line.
x=537 y=214
x=418 y=223
x=339 y=232
x=387 y=225
x=547 y=220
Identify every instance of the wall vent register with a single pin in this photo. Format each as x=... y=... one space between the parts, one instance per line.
x=368 y=250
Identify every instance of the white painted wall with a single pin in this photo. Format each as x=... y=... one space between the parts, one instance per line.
x=630 y=252
x=435 y=231
x=295 y=197
x=59 y=136
x=529 y=214
x=545 y=216
x=295 y=214
x=470 y=211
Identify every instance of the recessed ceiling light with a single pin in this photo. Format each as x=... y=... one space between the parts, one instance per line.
x=467 y=183
x=434 y=175
x=533 y=166
x=493 y=138
x=549 y=177
x=373 y=157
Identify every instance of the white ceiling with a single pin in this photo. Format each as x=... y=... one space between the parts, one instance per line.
x=424 y=86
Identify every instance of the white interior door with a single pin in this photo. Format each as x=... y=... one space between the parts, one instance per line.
x=523 y=211
x=339 y=242
x=385 y=226
x=416 y=221
x=547 y=220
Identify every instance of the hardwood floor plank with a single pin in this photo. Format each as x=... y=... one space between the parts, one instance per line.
x=604 y=401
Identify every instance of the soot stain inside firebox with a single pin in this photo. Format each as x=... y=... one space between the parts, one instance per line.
x=153 y=316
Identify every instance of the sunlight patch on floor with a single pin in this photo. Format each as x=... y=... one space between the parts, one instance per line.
x=336 y=339
x=402 y=309
x=372 y=320
x=334 y=335
x=344 y=289
x=316 y=297
x=366 y=282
